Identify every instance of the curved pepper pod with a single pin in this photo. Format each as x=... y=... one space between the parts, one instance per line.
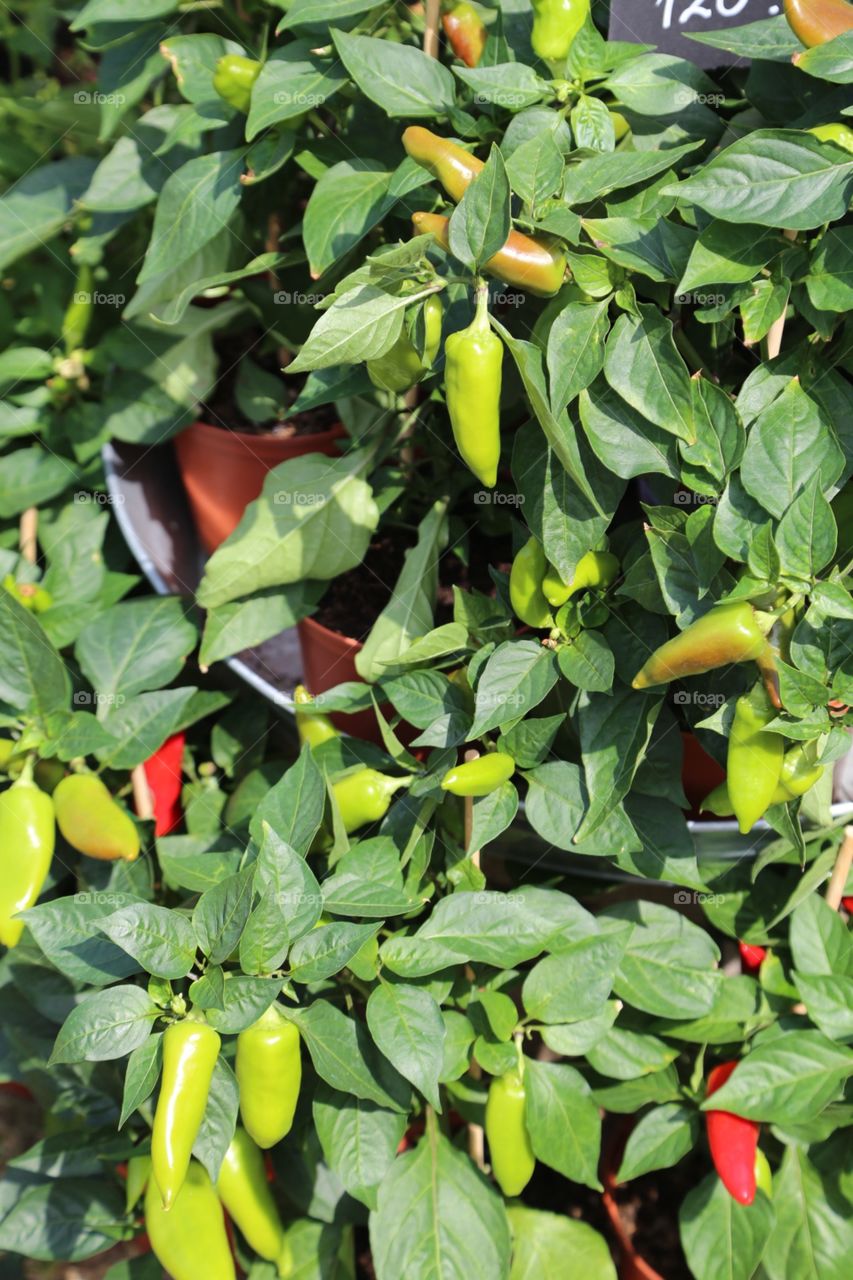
x=190 y=1050
x=92 y=822
x=466 y=33
x=733 y=1141
x=799 y=774
x=479 y=777
x=28 y=594
x=233 y=78
x=313 y=729
x=525 y=586
x=454 y=167
x=555 y=25
x=403 y=366
x=727 y=634
x=190 y=1241
x=595 y=569
x=473 y=360
x=365 y=796
x=27 y=837
x=243 y=1188
x=268 y=1067
x=754 y=761
x=510 y=1151
x=817 y=21
x=532 y=264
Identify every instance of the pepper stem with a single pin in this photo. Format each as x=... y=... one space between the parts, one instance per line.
x=481 y=299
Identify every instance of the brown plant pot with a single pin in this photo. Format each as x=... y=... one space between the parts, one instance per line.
x=700 y=773
x=631 y=1264
x=328 y=658
x=223 y=471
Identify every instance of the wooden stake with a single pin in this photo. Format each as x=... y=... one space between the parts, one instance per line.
x=773 y=341
x=28 y=534
x=841 y=870
x=143 y=801
x=433 y=8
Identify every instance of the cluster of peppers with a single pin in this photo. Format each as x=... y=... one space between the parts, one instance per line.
x=182 y=1206
x=80 y=805
x=364 y=795
x=473 y=356
x=538 y=594
x=760 y=772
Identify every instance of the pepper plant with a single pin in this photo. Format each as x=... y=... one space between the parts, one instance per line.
x=459 y=983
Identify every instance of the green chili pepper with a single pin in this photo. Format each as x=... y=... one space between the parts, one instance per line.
x=27 y=835
x=92 y=822
x=78 y=314
x=403 y=366
x=138 y=1173
x=472 y=373
x=190 y=1241
x=525 y=586
x=555 y=25
x=763 y=1176
x=800 y=771
x=233 y=79
x=190 y=1050
x=479 y=777
x=29 y=594
x=313 y=729
x=729 y=633
x=243 y=1188
x=268 y=1067
x=510 y=1151
x=754 y=762
x=365 y=796
x=595 y=569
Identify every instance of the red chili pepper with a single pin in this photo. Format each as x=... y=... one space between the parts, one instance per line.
x=751 y=957
x=847 y=904
x=163 y=771
x=733 y=1141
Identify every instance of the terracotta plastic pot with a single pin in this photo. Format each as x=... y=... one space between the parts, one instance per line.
x=700 y=773
x=631 y=1265
x=223 y=471
x=328 y=658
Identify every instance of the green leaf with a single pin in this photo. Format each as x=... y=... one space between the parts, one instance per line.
x=551 y=1244
x=135 y=646
x=326 y=950
x=400 y=80
x=644 y=367
x=724 y=1240
x=314 y=519
x=106 y=1024
x=481 y=222
x=563 y=1121
x=359 y=1140
x=812 y=1235
x=293 y=809
x=161 y=940
x=345 y=1057
x=406 y=1024
x=659 y=1140
x=791 y=1078
x=773 y=177
x=576 y=350
x=293 y=80
x=515 y=679
x=197 y=201
x=455 y=1223
x=830 y=278
x=574 y=982
x=787 y=445
x=37 y=205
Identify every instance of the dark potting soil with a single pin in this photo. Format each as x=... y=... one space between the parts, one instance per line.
x=220 y=409
x=355 y=599
x=649 y=1208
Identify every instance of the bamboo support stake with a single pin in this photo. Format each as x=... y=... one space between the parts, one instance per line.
x=774 y=333
x=841 y=870
x=28 y=534
x=143 y=801
x=432 y=8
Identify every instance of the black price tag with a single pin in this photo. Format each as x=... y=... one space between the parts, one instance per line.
x=664 y=22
